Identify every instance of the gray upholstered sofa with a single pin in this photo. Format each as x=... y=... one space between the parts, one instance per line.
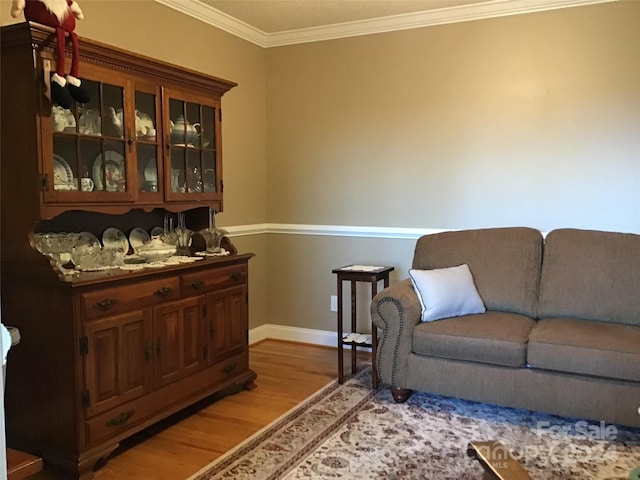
x=561 y=331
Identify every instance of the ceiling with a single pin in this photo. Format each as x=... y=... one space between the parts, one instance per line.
x=270 y=23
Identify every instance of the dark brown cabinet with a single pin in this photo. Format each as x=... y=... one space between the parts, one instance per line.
x=105 y=354
x=116 y=352
x=178 y=329
x=226 y=323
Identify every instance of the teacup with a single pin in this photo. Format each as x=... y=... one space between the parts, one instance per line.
x=86 y=184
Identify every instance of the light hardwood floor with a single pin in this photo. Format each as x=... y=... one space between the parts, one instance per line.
x=287 y=374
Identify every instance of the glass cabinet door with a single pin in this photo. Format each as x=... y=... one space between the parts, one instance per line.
x=192 y=143
x=90 y=148
x=148 y=153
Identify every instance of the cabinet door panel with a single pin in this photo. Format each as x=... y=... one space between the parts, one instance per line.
x=178 y=328
x=117 y=367
x=217 y=327
x=227 y=319
x=192 y=318
x=238 y=320
x=91 y=141
x=193 y=147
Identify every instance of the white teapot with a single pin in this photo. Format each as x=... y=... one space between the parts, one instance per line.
x=184 y=132
x=62 y=118
x=144 y=125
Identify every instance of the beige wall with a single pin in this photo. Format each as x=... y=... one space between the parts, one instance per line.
x=529 y=119
x=524 y=120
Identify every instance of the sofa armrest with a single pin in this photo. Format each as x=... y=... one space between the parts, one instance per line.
x=396 y=311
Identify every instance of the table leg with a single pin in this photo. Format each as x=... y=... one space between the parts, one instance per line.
x=374 y=342
x=340 y=334
x=354 y=317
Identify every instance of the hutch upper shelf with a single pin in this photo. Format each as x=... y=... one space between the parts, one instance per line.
x=149 y=137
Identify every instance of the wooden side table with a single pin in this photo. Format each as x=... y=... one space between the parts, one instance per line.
x=354 y=274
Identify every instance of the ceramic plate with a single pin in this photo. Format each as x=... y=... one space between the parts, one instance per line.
x=137 y=238
x=116 y=175
x=62 y=173
x=86 y=241
x=114 y=238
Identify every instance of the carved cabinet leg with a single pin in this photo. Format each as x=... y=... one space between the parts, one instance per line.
x=94 y=461
x=400 y=395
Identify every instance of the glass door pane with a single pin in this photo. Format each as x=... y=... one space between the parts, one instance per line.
x=147 y=146
x=208 y=131
x=209 y=171
x=194 y=172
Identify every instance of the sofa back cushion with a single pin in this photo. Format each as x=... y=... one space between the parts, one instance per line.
x=505 y=263
x=591 y=275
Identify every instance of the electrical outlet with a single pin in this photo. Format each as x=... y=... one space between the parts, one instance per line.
x=334 y=303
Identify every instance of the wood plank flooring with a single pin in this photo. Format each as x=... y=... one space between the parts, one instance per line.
x=177 y=448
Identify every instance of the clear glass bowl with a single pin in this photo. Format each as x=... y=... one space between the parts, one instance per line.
x=56 y=245
x=156 y=250
x=95 y=258
x=156 y=255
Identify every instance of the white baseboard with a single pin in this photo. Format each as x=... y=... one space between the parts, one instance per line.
x=294 y=334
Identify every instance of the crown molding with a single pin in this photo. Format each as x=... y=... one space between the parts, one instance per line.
x=216 y=18
x=442 y=16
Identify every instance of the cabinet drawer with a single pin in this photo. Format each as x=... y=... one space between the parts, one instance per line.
x=214 y=279
x=137 y=414
x=108 y=301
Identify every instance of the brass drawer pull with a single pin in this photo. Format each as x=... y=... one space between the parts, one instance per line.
x=235 y=276
x=120 y=419
x=230 y=368
x=105 y=304
x=197 y=284
x=163 y=292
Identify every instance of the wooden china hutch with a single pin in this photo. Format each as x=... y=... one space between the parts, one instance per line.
x=105 y=354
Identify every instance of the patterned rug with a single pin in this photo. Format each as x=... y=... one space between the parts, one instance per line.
x=351 y=432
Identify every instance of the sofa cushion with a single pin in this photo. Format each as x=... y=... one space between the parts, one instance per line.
x=446 y=292
x=505 y=263
x=498 y=338
x=586 y=347
x=591 y=275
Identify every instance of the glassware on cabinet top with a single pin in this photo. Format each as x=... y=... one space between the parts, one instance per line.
x=56 y=245
x=156 y=250
x=213 y=235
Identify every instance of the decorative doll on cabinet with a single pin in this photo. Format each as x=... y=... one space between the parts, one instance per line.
x=61 y=15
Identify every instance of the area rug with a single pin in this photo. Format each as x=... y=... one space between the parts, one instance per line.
x=352 y=432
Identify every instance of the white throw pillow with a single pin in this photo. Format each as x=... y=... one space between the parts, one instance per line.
x=446 y=292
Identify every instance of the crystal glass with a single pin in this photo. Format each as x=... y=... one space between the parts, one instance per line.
x=56 y=245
